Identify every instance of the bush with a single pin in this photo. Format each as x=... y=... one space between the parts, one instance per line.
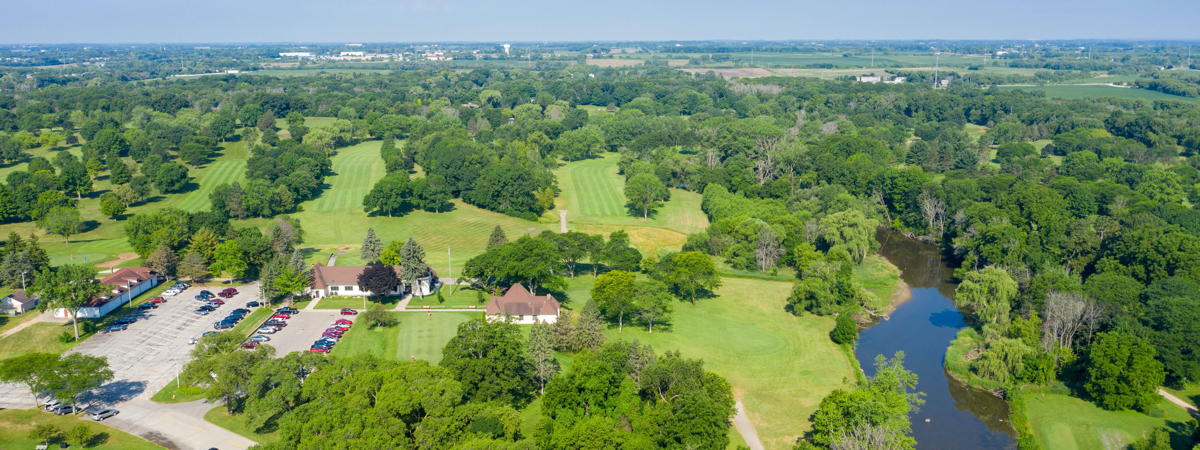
x=66 y=337
x=376 y=316
x=846 y=330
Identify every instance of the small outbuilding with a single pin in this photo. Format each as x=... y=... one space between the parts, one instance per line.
x=523 y=307
x=17 y=303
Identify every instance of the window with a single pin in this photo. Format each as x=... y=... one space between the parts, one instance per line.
x=333 y=288
x=521 y=317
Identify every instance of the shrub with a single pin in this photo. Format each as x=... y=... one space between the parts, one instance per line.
x=846 y=330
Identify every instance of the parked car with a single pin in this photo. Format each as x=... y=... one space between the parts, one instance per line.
x=224 y=325
x=330 y=340
x=348 y=312
x=170 y=293
x=206 y=292
x=253 y=304
x=217 y=302
x=250 y=345
x=67 y=409
x=346 y=322
x=242 y=310
x=260 y=338
x=288 y=310
x=230 y=290
x=266 y=330
x=146 y=306
x=126 y=320
x=276 y=322
x=157 y=300
x=50 y=405
x=201 y=298
x=201 y=312
x=118 y=327
x=281 y=316
x=224 y=295
x=104 y=414
x=207 y=308
x=319 y=350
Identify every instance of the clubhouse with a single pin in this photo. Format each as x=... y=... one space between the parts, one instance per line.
x=126 y=283
x=342 y=281
x=523 y=307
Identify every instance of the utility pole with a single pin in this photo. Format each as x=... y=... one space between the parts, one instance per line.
x=935 y=69
x=872 y=58
x=449 y=269
x=23 y=279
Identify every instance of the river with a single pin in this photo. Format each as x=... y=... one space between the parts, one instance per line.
x=959 y=417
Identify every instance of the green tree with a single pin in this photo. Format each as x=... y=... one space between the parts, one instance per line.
x=64 y=221
x=540 y=352
x=412 y=265
x=222 y=368
x=228 y=258
x=34 y=370
x=74 y=178
x=653 y=301
x=688 y=274
x=619 y=254
x=193 y=266
x=68 y=287
x=194 y=153
x=488 y=358
x=497 y=238
x=290 y=281
x=163 y=260
x=852 y=231
x=612 y=293
x=112 y=206
x=372 y=247
x=119 y=172
x=846 y=330
x=990 y=292
x=645 y=192
x=222 y=127
x=77 y=374
x=80 y=434
x=171 y=178
x=44 y=432
x=1122 y=372
x=880 y=407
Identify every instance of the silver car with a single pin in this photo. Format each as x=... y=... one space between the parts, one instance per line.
x=266 y=330
x=104 y=414
x=260 y=338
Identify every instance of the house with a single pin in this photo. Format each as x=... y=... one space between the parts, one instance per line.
x=342 y=281
x=523 y=307
x=866 y=79
x=126 y=283
x=17 y=303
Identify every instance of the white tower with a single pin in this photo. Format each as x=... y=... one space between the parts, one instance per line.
x=506 y=46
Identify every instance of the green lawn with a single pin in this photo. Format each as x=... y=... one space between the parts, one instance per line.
x=1062 y=422
x=15 y=425
x=170 y=394
x=1190 y=394
x=593 y=193
x=252 y=321
x=8 y=322
x=237 y=424
x=462 y=297
x=415 y=334
x=355 y=303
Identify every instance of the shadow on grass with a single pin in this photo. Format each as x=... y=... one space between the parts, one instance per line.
x=97 y=440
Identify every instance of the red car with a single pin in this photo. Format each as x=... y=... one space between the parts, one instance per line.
x=281 y=316
x=344 y=322
x=251 y=344
x=336 y=335
x=230 y=291
x=319 y=350
x=348 y=312
x=157 y=300
x=335 y=331
x=225 y=295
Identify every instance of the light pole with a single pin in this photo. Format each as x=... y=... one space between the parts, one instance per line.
x=449 y=271
x=23 y=279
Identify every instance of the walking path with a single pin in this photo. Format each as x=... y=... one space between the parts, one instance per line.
x=1182 y=404
x=47 y=316
x=745 y=428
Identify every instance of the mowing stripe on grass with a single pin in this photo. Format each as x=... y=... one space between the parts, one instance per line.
x=596 y=190
x=357 y=169
x=219 y=173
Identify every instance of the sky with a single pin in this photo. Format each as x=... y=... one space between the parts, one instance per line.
x=226 y=21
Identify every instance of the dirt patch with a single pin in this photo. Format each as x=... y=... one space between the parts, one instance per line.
x=733 y=73
x=120 y=259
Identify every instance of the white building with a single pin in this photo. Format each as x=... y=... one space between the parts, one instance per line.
x=523 y=307
x=126 y=284
x=17 y=303
x=342 y=281
x=866 y=79
x=351 y=54
x=297 y=54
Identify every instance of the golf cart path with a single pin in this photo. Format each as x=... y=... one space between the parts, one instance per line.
x=746 y=428
x=1182 y=404
x=47 y=316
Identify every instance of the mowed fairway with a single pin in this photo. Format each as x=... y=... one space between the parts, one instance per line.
x=592 y=194
x=416 y=334
x=780 y=365
x=220 y=172
x=1061 y=422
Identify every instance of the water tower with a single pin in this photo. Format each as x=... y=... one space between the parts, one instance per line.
x=506 y=46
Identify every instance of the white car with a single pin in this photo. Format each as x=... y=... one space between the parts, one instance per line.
x=266 y=330
x=170 y=293
x=260 y=338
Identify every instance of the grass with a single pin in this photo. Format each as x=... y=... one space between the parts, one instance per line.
x=237 y=424
x=462 y=297
x=878 y=276
x=1061 y=422
x=171 y=394
x=355 y=303
x=1190 y=394
x=1072 y=92
x=414 y=334
x=15 y=425
x=252 y=321
x=8 y=322
x=593 y=193
x=780 y=365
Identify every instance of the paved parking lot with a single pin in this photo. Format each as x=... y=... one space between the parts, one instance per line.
x=303 y=329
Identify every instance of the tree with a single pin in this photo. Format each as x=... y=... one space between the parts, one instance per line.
x=75 y=178
x=50 y=139
x=119 y=172
x=852 y=231
x=497 y=238
x=228 y=258
x=222 y=368
x=645 y=192
x=222 y=126
x=44 y=432
x=540 y=352
x=883 y=403
x=392 y=195
x=64 y=221
x=127 y=195
x=573 y=246
x=378 y=279
x=291 y=280
x=1122 y=372
x=193 y=266
x=372 y=247
x=77 y=374
x=412 y=265
x=488 y=358
x=846 y=330
x=34 y=370
x=376 y=316
x=618 y=254
x=79 y=434
x=613 y=295
x=112 y=206
x=68 y=287
x=432 y=192
x=194 y=153
x=163 y=260
x=266 y=121
x=990 y=292
x=582 y=143
x=653 y=302
x=688 y=274
x=171 y=178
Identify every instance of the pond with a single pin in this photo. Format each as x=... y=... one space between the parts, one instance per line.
x=959 y=417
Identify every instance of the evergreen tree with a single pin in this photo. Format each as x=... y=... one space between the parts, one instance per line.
x=497 y=239
x=412 y=264
x=372 y=247
x=540 y=352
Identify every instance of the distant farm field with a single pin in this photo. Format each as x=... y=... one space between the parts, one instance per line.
x=1072 y=92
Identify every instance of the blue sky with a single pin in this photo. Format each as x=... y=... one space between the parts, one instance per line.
x=159 y=21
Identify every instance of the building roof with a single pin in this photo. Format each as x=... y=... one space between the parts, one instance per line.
x=20 y=298
x=324 y=275
x=519 y=302
x=120 y=281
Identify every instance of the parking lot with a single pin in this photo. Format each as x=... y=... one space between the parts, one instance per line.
x=302 y=329
x=148 y=355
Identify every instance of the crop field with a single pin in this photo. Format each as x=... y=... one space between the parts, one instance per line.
x=1060 y=422
x=1072 y=92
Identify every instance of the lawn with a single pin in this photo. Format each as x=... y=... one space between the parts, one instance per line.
x=1072 y=92
x=237 y=424
x=1190 y=394
x=355 y=303
x=462 y=297
x=415 y=334
x=171 y=394
x=252 y=321
x=593 y=193
x=8 y=322
x=15 y=425
x=780 y=365
x=1062 y=422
